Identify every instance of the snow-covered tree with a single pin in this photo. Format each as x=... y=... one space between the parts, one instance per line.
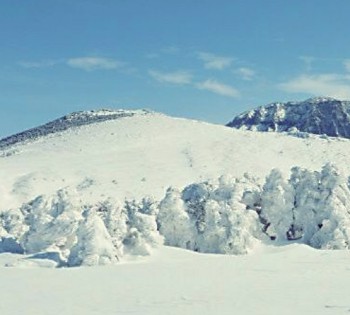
x=52 y=223
x=214 y=235
x=142 y=234
x=115 y=219
x=195 y=197
x=12 y=223
x=12 y=227
x=333 y=211
x=174 y=222
x=211 y=216
x=306 y=185
x=94 y=245
x=277 y=202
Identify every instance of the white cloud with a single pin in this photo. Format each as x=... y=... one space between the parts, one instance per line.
x=94 y=63
x=246 y=73
x=218 y=88
x=212 y=61
x=170 y=50
x=38 y=64
x=152 y=56
x=347 y=64
x=177 y=77
x=332 y=85
x=308 y=61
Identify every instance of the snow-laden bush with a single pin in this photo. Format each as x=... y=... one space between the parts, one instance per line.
x=227 y=216
x=94 y=245
x=142 y=234
x=62 y=228
x=52 y=223
x=210 y=217
x=333 y=211
x=115 y=218
x=307 y=198
x=277 y=202
x=321 y=207
x=174 y=222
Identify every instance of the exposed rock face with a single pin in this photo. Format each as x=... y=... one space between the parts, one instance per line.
x=317 y=115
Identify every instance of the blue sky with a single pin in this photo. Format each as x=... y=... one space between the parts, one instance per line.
x=201 y=59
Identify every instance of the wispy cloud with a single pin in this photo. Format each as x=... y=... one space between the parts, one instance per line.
x=215 y=62
x=246 y=74
x=330 y=84
x=347 y=64
x=170 y=49
x=218 y=88
x=94 y=63
x=177 y=77
x=38 y=64
x=308 y=61
x=152 y=56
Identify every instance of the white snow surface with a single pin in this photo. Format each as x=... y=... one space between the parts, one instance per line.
x=287 y=280
x=144 y=154
x=80 y=196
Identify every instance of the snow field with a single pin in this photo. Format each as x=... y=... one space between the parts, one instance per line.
x=286 y=280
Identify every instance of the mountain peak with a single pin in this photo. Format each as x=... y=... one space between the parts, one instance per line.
x=318 y=115
x=321 y=99
x=72 y=120
x=102 y=114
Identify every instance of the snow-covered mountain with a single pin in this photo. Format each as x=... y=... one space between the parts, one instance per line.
x=321 y=115
x=92 y=188
x=135 y=154
x=72 y=120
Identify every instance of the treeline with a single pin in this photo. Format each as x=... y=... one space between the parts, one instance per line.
x=227 y=215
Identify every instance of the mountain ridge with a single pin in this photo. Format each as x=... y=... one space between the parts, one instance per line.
x=319 y=115
x=96 y=192
x=72 y=120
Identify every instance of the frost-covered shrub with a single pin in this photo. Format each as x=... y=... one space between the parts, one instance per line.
x=52 y=223
x=12 y=223
x=306 y=210
x=209 y=217
x=277 y=202
x=63 y=228
x=195 y=197
x=94 y=245
x=174 y=222
x=333 y=211
x=322 y=200
x=230 y=228
x=114 y=218
x=142 y=234
x=227 y=216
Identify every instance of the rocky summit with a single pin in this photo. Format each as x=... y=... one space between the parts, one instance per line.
x=321 y=115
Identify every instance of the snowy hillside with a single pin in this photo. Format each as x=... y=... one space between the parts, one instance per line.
x=143 y=155
x=97 y=192
x=67 y=122
x=317 y=115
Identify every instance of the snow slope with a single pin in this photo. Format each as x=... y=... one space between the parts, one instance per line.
x=143 y=154
x=283 y=280
x=63 y=193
